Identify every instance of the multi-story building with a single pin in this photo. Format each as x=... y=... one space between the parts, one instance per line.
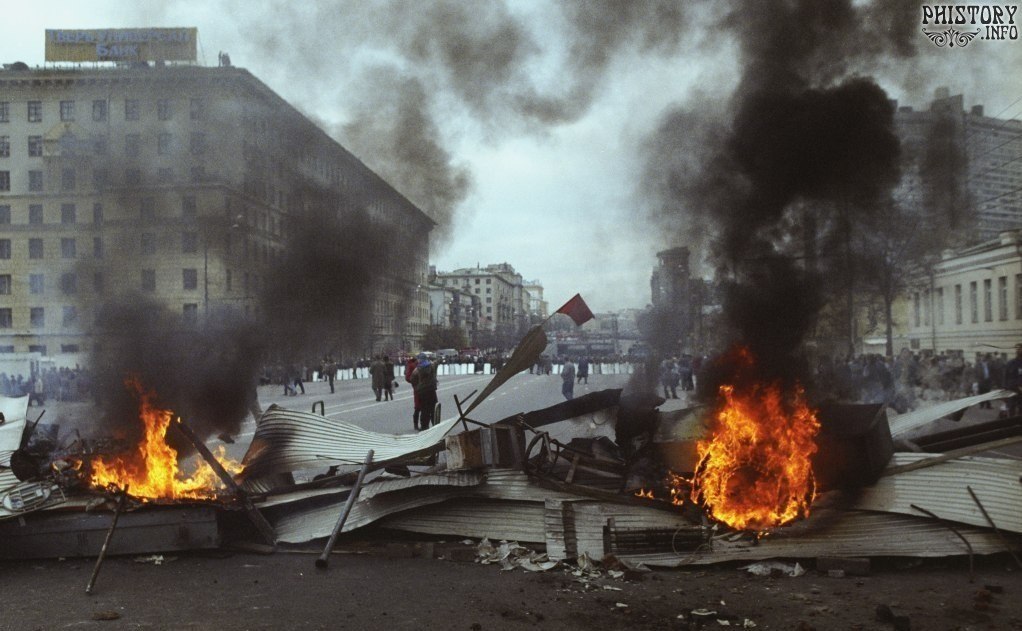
x=504 y=300
x=454 y=307
x=175 y=181
x=964 y=167
x=538 y=307
x=971 y=300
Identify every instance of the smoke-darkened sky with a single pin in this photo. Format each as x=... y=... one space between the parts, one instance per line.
x=525 y=128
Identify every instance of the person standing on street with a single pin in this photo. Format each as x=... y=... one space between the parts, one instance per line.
x=568 y=380
x=410 y=366
x=583 y=370
x=1013 y=381
x=388 y=384
x=424 y=382
x=377 y=376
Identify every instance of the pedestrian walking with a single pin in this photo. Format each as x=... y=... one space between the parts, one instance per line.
x=423 y=380
x=377 y=376
x=583 y=370
x=388 y=383
x=410 y=366
x=568 y=379
x=669 y=378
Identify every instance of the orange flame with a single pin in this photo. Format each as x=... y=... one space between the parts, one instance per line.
x=754 y=471
x=152 y=470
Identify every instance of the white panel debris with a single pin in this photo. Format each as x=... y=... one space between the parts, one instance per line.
x=905 y=423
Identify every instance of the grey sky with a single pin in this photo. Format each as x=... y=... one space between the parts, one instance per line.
x=522 y=126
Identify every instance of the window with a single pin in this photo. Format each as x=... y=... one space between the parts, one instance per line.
x=35 y=181
x=5 y=248
x=147 y=208
x=97 y=214
x=67 y=179
x=35 y=248
x=132 y=145
x=189 y=210
x=197 y=143
x=100 y=145
x=926 y=308
x=189 y=242
x=68 y=249
x=5 y=146
x=1002 y=294
x=190 y=314
x=228 y=280
x=164 y=144
x=163 y=109
x=37 y=317
x=940 y=305
x=198 y=174
x=5 y=284
x=148 y=243
x=5 y=180
x=70 y=316
x=35 y=111
x=133 y=177
x=165 y=175
x=98 y=283
x=974 y=301
x=69 y=283
x=988 y=300
x=5 y=214
x=477 y=281
x=5 y=318
x=67 y=110
x=149 y=280
x=5 y=112
x=197 y=109
x=131 y=109
x=99 y=111
x=97 y=247
x=35 y=146
x=35 y=214
x=68 y=348
x=190 y=279
x=35 y=283
x=67 y=213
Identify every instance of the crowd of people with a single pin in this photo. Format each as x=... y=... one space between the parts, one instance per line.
x=50 y=384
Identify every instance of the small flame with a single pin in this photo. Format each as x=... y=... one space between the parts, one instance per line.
x=151 y=470
x=645 y=493
x=755 y=471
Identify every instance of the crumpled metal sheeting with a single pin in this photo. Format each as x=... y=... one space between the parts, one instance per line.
x=317 y=522
x=289 y=440
x=943 y=490
x=397 y=483
x=475 y=517
x=904 y=423
x=853 y=534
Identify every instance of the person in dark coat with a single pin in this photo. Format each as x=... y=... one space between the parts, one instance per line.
x=377 y=373
x=423 y=380
x=388 y=383
x=410 y=366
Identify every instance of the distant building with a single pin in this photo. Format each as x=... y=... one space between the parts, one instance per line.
x=538 y=307
x=454 y=307
x=964 y=167
x=176 y=181
x=972 y=302
x=504 y=301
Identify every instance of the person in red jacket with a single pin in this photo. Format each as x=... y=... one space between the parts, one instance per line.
x=410 y=367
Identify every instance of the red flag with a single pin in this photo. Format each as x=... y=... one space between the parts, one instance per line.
x=577 y=310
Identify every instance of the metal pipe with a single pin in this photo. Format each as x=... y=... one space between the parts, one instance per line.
x=106 y=542
x=994 y=526
x=324 y=559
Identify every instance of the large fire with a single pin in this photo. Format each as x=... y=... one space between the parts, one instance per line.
x=754 y=471
x=151 y=471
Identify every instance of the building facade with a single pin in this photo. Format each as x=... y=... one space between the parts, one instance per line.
x=504 y=301
x=961 y=166
x=177 y=182
x=971 y=301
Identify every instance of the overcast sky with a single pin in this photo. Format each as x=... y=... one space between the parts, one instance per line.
x=524 y=127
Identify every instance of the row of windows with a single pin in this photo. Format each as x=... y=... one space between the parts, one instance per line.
x=69 y=246
x=37 y=320
x=69 y=212
x=100 y=178
x=166 y=144
x=69 y=282
x=100 y=110
x=921 y=303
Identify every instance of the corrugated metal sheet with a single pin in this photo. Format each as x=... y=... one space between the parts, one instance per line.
x=854 y=534
x=478 y=518
x=904 y=423
x=289 y=440
x=943 y=490
x=316 y=522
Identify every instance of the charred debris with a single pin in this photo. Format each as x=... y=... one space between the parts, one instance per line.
x=607 y=475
